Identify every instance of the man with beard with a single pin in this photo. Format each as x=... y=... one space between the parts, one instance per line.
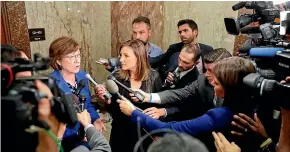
x=188 y=32
x=141 y=30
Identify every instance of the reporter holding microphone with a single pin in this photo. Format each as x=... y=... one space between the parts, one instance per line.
x=135 y=73
x=96 y=140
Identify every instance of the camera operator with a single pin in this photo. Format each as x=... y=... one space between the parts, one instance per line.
x=284 y=141
x=9 y=53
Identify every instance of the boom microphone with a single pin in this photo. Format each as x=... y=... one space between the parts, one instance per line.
x=107 y=95
x=114 y=89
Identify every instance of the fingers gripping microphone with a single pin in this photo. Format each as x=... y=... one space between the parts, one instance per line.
x=107 y=95
x=113 y=88
x=137 y=94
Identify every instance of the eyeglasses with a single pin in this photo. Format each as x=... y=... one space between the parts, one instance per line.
x=72 y=57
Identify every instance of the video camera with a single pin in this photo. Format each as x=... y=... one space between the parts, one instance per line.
x=269 y=52
x=269 y=89
x=20 y=96
x=262 y=15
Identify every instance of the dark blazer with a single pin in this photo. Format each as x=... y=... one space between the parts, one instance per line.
x=124 y=133
x=173 y=48
x=182 y=110
x=200 y=92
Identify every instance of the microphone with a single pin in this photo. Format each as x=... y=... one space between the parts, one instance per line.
x=107 y=95
x=81 y=85
x=245 y=48
x=264 y=52
x=238 y=6
x=137 y=94
x=76 y=103
x=81 y=132
x=82 y=102
x=250 y=30
x=114 y=89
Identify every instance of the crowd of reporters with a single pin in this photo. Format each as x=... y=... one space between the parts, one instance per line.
x=192 y=89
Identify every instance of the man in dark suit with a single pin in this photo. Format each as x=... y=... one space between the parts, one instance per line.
x=185 y=73
x=200 y=91
x=188 y=32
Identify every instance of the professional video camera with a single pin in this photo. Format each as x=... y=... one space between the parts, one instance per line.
x=20 y=96
x=269 y=51
x=269 y=89
x=262 y=15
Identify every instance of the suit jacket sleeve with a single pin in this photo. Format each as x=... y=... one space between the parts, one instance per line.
x=212 y=120
x=97 y=142
x=171 y=96
x=172 y=110
x=157 y=82
x=163 y=58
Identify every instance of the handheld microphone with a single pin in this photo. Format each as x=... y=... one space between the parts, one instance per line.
x=81 y=85
x=82 y=102
x=81 y=132
x=137 y=94
x=107 y=95
x=114 y=89
x=76 y=103
x=264 y=52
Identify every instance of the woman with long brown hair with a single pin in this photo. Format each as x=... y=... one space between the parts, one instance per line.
x=135 y=73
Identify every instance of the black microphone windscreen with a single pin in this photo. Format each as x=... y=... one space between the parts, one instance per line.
x=238 y=5
x=82 y=83
x=245 y=48
x=112 y=86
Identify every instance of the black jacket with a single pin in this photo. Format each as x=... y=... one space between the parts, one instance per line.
x=124 y=133
x=199 y=92
x=173 y=48
x=179 y=111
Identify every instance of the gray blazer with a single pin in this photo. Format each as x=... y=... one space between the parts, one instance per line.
x=96 y=140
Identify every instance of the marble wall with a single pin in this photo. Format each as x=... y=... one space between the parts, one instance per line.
x=122 y=15
x=100 y=27
x=210 y=19
x=87 y=22
x=15 y=25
